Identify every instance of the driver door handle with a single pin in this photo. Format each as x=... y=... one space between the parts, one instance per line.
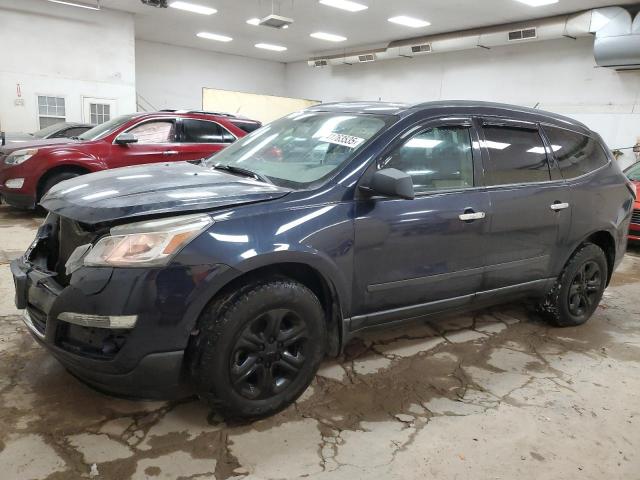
x=470 y=216
x=170 y=152
x=557 y=206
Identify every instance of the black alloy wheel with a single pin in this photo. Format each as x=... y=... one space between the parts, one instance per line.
x=585 y=289
x=269 y=354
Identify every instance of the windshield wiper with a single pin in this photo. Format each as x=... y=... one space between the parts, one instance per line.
x=242 y=171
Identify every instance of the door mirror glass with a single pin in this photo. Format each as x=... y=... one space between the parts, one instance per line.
x=392 y=182
x=126 y=138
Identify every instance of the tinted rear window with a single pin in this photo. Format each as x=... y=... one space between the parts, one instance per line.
x=247 y=126
x=517 y=155
x=576 y=154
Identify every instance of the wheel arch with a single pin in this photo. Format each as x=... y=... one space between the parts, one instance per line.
x=309 y=276
x=73 y=168
x=606 y=241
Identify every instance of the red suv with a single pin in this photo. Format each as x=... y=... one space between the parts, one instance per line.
x=27 y=172
x=633 y=174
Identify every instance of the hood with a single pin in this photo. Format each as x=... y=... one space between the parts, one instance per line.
x=153 y=189
x=18 y=144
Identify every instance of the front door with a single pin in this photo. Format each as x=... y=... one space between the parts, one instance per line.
x=423 y=255
x=156 y=143
x=530 y=206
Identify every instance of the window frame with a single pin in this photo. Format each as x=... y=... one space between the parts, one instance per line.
x=148 y=120
x=181 y=133
x=417 y=128
x=47 y=95
x=499 y=121
x=576 y=132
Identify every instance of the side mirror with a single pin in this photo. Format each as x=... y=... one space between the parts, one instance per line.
x=126 y=138
x=392 y=182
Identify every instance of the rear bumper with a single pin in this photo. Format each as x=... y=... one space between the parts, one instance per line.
x=147 y=360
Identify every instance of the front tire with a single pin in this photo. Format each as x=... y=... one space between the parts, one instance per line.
x=258 y=348
x=54 y=180
x=577 y=292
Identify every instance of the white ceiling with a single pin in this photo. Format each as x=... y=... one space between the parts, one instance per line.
x=368 y=27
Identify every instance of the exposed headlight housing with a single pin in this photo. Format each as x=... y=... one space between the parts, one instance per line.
x=20 y=156
x=149 y=243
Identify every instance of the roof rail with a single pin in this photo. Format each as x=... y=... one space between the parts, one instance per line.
x=220 y=114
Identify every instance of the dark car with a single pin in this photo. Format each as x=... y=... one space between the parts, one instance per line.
x=236 y=276
x=633 y=174
x=59 y=130
x=28 y=172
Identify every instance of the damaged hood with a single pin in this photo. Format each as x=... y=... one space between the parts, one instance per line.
x=153 y=189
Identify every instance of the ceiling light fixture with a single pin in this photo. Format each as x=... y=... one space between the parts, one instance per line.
x=214 y=36
x=78 y=4
x=268 y=46
x=409 y=21
x=537 y=3
x=344 y=5
x=193 y=8
x=330 y=37
x=254 y=21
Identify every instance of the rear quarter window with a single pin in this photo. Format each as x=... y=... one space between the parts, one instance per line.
x=247 y=127
x=577 y=154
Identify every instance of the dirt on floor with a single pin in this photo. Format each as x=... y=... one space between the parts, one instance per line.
x=495 y=394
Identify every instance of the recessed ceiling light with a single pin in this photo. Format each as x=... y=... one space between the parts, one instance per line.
x=193 y=8
x=214 y=36
x=330 y=37
x=268 y=46
x=254 y=21
x=344 y=5
x=77 y=4
x=537 y=3
x=409 y=21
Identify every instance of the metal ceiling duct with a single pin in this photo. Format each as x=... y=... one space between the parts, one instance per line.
x=617 y=43
x=608 y=23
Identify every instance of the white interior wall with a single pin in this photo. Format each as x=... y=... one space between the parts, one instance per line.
x=558 y=75
x=173 y=77
x=61 y=51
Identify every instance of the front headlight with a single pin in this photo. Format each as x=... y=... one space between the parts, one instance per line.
x=148 y=243
x=20 y=156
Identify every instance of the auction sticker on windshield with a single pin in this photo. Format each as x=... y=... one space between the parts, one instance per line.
x=342 y=139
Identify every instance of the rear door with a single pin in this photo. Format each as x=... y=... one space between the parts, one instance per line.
x=157 y=142
x=418 y=256
x=202 y=138
x=530 y=205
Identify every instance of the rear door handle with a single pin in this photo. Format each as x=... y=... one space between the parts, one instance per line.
x=557 y=206
x=469 y=215
x=170 y=152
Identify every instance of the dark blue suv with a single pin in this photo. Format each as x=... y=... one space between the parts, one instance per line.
x=237 y=274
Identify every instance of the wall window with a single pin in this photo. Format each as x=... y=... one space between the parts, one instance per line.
x=99 y=113
x=437 y=159
x=517 y=155
x=577 y=154
x=51 y=110
x=162 y=131
x=200 y=131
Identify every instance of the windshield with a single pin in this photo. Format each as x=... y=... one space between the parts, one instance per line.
x=633 y=173
x=45 y=132
x=106 y=128
x=303 y=148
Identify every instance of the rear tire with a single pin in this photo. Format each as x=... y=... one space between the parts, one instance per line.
x=258 y=348
x=54 y=180
x=578 y=290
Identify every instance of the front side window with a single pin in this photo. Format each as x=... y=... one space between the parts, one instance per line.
x=437 y=159
x=303 y=148
x=516 y=155
x=201 y=131
x=160 y=131
x=51 y=110
x=577 y=154
x=107 y=128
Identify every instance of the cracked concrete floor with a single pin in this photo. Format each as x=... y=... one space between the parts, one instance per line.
x=494 y=394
